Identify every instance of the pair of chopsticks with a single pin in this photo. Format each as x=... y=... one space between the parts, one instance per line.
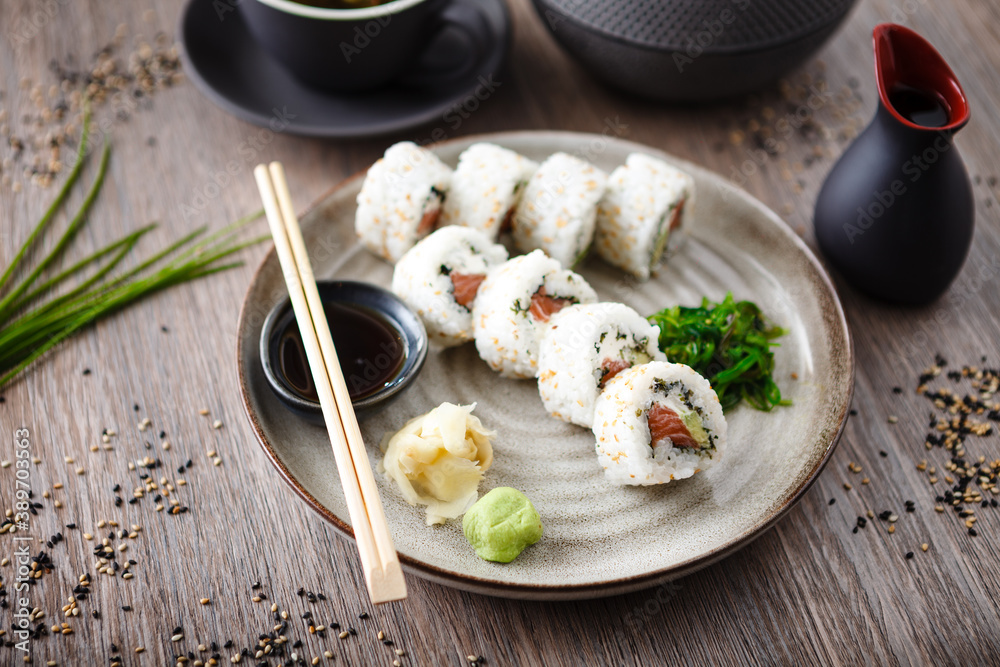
x=378 y=555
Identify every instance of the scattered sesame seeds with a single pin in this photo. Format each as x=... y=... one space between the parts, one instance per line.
x=893 y=419
x=205 y=601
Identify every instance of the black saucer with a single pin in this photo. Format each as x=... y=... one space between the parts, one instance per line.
x=229 y=68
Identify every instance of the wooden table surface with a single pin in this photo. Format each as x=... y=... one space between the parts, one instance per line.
x=810 y=590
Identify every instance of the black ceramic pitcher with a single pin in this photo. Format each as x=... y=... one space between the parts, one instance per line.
x=896 y=214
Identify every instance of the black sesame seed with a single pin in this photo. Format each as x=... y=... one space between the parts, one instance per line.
x=882 y=453
x=95 y=614
x=853 y=412
x=363 y=615
x=86 y=371
x=897 y=390
x=909 y=555
x=972 y=532
x=855 y=530
x=136 y=407
x=832 y=501
x=126 y=607
x=116 y=488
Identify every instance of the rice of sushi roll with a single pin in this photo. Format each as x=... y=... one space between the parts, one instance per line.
x=400 y=200
x=558 y=210
x=658 y=422
x=440 y=277
x=486 y=186
x=642 y=213
x=513 y=309
x=585 y=347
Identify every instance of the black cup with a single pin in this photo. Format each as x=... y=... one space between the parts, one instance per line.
x=352 y=50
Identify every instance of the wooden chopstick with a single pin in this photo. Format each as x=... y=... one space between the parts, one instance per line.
x=379 y=560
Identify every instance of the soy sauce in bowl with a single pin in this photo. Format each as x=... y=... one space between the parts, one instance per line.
x=370 y=349
x=381 y=346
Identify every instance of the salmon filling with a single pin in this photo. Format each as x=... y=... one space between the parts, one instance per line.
x=675 y=217
x=544 y=306
x=665 y=424
x=429 y=221
x=611 y=368
x=465 y=286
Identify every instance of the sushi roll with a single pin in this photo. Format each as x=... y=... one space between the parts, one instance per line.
x=486 y=186
x=440 y=277
x=583 y=349
x=558 y=210
x=400 y=200
x=658 y=422
x=642 y=213
x=513 y=309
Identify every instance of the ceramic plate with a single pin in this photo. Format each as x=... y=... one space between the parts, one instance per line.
x=599 y=539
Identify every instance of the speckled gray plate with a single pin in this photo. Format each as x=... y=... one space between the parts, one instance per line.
x=599 y=539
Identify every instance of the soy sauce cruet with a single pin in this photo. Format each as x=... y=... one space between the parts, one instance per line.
x=896 y=214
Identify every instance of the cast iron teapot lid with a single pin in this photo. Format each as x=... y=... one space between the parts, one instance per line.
x=672 y=24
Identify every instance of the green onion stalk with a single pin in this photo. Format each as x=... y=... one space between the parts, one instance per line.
x=47 y=305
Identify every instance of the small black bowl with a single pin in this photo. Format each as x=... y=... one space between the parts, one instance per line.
x=398 y=315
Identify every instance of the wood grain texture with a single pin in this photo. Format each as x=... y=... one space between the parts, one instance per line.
x=809 y=591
